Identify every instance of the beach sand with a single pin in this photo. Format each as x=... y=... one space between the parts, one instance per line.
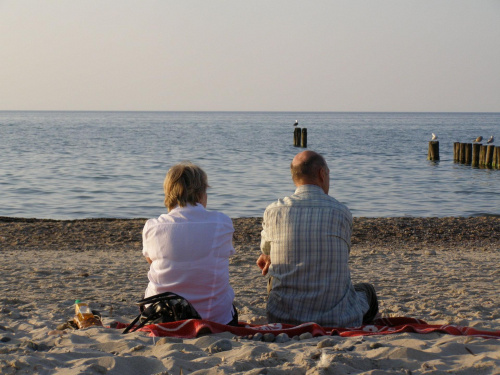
x=441 y=270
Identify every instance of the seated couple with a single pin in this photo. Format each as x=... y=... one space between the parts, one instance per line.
x=305 y=246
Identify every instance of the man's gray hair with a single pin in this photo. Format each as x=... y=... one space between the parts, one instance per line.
x=308 y=168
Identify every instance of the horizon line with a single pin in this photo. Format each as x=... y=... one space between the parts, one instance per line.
x=233 y=111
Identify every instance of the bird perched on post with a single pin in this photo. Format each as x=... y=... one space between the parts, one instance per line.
x=434 y=137
x=296 y=123
x=478 y=139
x=490 y=140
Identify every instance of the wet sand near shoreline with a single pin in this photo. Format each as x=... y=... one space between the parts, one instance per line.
x=405 y=233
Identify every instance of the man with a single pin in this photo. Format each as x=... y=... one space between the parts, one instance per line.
x=306 y=240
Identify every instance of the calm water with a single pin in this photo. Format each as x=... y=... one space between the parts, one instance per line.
x=68 y=165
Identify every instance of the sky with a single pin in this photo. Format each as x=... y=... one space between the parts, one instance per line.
x=254 y=55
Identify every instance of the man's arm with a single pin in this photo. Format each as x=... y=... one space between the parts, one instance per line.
x=264 y=260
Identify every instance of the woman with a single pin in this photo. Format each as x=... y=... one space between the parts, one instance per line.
x=189 y=248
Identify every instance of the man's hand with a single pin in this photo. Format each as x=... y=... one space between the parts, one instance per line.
x=264 y=262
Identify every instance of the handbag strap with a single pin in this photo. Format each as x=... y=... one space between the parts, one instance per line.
x=149 y=318
x=126 y=330
x=159 y=297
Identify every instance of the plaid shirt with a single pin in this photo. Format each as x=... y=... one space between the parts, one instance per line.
x=308 y=236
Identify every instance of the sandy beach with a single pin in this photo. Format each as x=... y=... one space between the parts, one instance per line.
x=441 y=270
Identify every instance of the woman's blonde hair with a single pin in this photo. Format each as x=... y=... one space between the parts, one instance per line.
x=185 y=183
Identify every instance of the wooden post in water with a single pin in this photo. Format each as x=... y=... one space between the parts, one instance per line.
x=296 y=137
x=456 y=151
x=482 y=155
x=433 y=153
x=489 y=155
x=496 y=157
x=462 y=153
x=468 y=153
x=304 y=137
x=476 y=147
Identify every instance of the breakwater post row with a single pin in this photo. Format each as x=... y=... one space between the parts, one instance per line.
x=300 y=137
x=477 y=155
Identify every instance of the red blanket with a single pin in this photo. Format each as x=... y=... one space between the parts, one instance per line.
x=192 y=328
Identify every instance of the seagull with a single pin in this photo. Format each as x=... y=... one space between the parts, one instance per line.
x=434 y=137
x=296 y=123
x=490 y=140
x=478 y=139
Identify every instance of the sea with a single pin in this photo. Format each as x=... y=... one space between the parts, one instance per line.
x=75 y=165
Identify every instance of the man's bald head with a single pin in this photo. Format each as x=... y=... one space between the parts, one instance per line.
x=310 y=168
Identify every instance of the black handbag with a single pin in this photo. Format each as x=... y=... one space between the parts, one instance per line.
x=163 y=308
